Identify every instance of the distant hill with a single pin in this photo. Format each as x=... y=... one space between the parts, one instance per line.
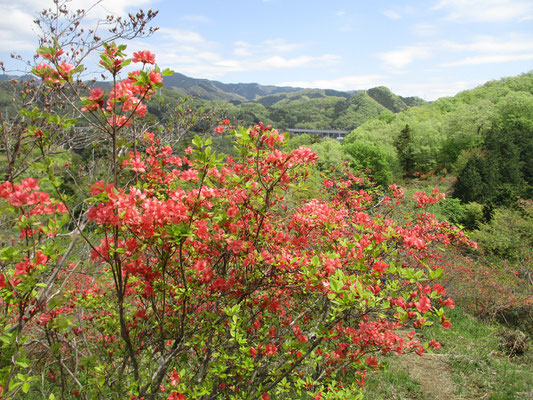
x=392 y=102
x=301 y=95
x=269 y=95
x=6 y=78
x=213 y=90
x=330 y=109
x=289 y=107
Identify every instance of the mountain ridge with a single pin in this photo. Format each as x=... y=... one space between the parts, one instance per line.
x=207 y=89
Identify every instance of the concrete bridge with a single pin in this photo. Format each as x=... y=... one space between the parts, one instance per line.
x=333 y=134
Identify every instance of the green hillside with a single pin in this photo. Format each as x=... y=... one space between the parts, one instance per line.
x=213 y=90
x=305 y=108
x=284 y=107
x=445 y=134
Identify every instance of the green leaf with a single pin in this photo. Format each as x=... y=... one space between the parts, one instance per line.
x=14 y=384
x=167 y=72
x=335 y=284
x=69 y=122
x=197 y=141
x=22 y=364
x=46 y=51
x=54 y=119
x=78 y=69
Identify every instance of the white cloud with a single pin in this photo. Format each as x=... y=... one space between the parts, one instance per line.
x=189 y=53
x=491 y=50
x=19 y=33
x=270 y=46
x=344 y=22
x=489 y=59
x=181 y=49
x=480 y=50
x=353 y=82
x=404 y=56
x=392 y=14
x=486 y=10
x=16 y=33
x=17 y=28
x=107 y=7
x=434 y=89
x=398 y=12
x=424 y=29
x=492 y=44
x=181 y=37
x=301 y=61
x=213 y=66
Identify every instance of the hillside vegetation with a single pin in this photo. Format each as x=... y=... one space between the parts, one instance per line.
x=445 y=134
x=288 y=107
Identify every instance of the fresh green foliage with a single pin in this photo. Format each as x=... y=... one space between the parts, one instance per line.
x=449 y=130
x=504 y=170
x=369 y=156
x=294 y=108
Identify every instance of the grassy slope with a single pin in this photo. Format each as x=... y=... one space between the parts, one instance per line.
x=471 y=355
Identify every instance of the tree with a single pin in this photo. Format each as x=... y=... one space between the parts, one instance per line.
x=369 y=156
x=502 y=174
x=330 y=154
x=403 y=144
x=473 y=182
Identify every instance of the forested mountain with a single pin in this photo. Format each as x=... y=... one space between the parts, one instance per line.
x=213 y=90
x=286 y=107
x=320 y=109
x=484 y=135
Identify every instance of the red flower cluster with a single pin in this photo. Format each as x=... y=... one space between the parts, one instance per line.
x=423 y=199
x=27 y=193
x=145 y=57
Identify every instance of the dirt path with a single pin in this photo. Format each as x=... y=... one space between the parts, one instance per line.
x=433 y=373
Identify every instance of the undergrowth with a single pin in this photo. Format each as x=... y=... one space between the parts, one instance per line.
x=479 y=366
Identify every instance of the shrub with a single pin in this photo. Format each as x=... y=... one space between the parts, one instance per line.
x=204 y=279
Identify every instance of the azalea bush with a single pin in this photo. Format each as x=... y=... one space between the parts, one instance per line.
x=197 y=275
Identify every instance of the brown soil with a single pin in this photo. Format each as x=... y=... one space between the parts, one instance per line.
x=433 y=373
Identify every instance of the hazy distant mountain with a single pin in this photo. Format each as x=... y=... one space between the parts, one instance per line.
x=214 y=90
x=269 y=95
x=5 y=78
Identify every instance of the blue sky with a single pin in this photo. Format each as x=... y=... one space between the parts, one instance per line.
x=430 y=48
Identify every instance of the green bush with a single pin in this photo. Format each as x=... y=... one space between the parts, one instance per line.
x=370 y=156
x=509 y=234
x=473 y=215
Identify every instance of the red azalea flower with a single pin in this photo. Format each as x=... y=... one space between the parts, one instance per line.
x=145 y=56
